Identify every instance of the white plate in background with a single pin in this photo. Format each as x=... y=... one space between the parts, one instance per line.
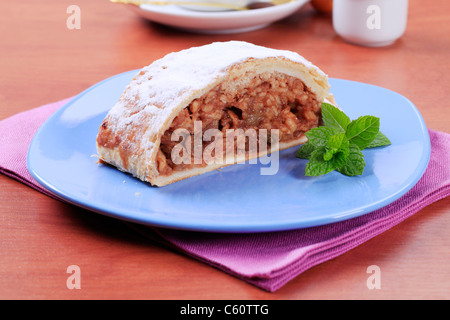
x=216 y=22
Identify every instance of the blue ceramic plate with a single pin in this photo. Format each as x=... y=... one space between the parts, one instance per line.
x=237 y=198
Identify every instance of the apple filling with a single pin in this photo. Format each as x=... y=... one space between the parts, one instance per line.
x=269 y=101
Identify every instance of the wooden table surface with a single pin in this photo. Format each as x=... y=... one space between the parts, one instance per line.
x=42 y=61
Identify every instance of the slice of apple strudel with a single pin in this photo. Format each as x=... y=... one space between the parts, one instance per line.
x=206 y=107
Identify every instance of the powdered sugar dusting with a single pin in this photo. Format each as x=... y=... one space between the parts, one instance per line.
x=179 y=73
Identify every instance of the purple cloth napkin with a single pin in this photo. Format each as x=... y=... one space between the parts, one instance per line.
x=266 y=260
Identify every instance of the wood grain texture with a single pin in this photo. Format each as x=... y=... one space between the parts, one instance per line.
x=42 y=61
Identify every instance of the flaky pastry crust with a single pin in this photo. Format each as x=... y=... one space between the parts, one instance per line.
x=129 y=138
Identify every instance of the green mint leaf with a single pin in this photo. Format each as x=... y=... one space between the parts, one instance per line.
x=336 y=160
x=337 y=150
x=338 y=144
x=332 y=117
x=319 y=136
x=305 y=150
x=354 y=164
x=328 y=158
x=338 y=141
x=380 y=141
x=363 y=130
x=316 y=165
x=329 y=153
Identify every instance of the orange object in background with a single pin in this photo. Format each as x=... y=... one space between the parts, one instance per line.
x=325 y=6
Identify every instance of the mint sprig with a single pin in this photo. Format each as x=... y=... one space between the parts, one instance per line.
x=338 y=144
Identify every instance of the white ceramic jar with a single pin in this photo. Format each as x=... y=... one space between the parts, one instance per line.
x=370 y=22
